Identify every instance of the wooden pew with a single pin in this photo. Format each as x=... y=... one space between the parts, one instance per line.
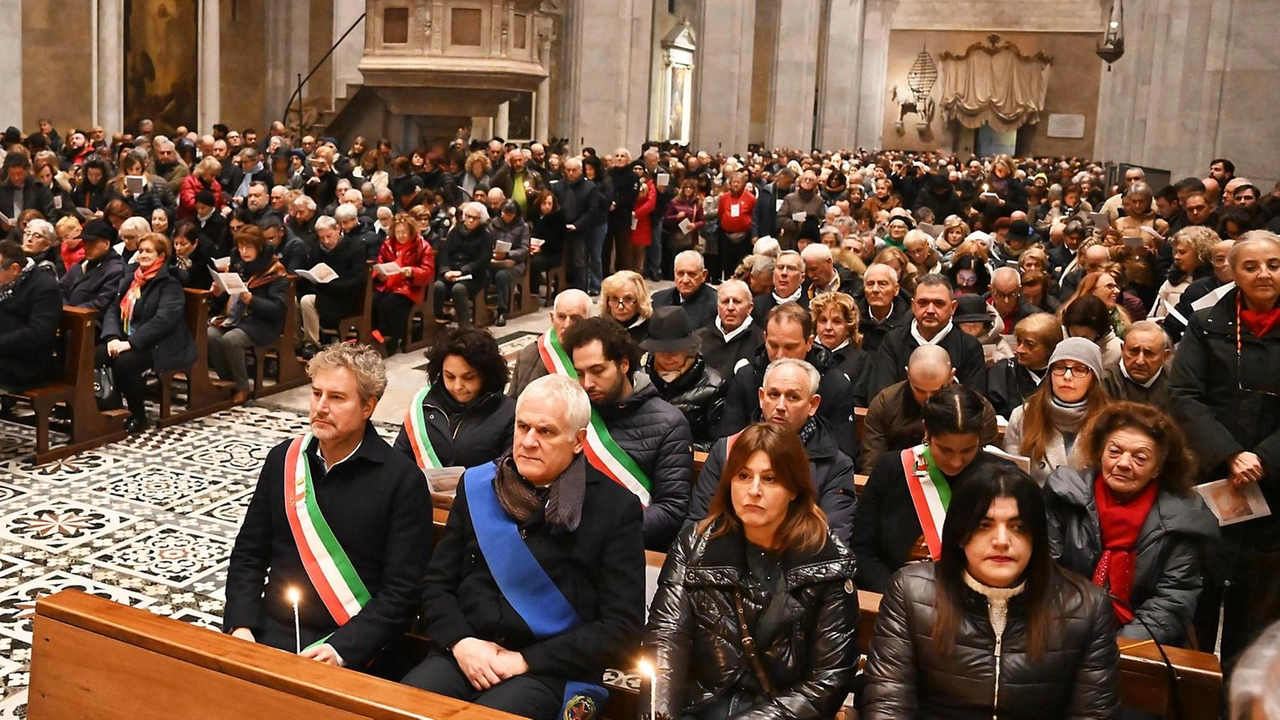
x=93 y=658
x=358 y=327
x=290 y=371
x=73 y=389
x=203 y=396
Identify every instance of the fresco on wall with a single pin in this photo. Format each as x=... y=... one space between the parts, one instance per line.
x=161 y=63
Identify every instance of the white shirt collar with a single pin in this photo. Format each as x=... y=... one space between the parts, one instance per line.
x=915 y=333
x=794 y=296
x=1146 y=385
x=729 y=336
x=329 y=468
x=886 y=316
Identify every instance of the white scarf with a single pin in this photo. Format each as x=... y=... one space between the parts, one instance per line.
x=915 y=333
x=729 y=336
x=1145 y=385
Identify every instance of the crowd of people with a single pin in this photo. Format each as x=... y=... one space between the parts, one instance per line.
x=1033 y=369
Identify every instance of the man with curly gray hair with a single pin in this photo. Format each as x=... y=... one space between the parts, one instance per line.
x=338 y=530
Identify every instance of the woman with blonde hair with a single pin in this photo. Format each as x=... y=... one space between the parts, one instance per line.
x=624 y=296
x=204 y=176
x=1192 y=260
x=835 y=322
x=898 y=260
x=919 y=248
x=954 y=232
x=1103 y=285
x=477 y=172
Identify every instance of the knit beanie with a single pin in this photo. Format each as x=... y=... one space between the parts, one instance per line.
x=1083 y=351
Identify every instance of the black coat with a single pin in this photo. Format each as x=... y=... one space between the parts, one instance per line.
x=742 y=404
x=726 y=356
x=885 y=526
x=379 y=510
x=700 y=307
x=466 y=252
x=467 y=437
x=29 y=319
x=1166 y=573
x=656 y=436
x=93 y=285
x=808 y=649
x=1077 y=678
x=873 y=332
x=263 y=320
x=599 y=568
x=340 y=297
x=159 y=322
x=890 y=364
x=855 y=363
x=35 y=196
x=1219 y=418
x=698 y=393
x=1009 y=384
x=830 y=470
x=762 y=304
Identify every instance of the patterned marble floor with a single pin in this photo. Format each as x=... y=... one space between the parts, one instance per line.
x=148 y=522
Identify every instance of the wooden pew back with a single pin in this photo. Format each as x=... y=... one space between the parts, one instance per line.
x=203 y=397
x=93 y=658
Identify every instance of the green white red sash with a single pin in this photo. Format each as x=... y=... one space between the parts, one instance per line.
x=603 y=452
x=415 y=425
x=554 y=356
x=327 y=564
x=930 y=493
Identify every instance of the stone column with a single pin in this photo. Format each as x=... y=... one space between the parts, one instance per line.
x=346 y=57
x=542 y=100
x=108 y=110
x=209 y=84
x=288 y=31
x=795 y=68
x=502 y=121
x=874 y=71
x=608 y=88
x=838 y=103
x=11 y=61
x=722 y=75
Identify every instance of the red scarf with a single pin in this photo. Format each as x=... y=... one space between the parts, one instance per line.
x=1259 y=323
x=141 y=277
x=1120 y=523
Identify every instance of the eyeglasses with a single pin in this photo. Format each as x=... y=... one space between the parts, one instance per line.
x=998 y=295
x=470 y=216
x=1079 y=371
x=626 y=301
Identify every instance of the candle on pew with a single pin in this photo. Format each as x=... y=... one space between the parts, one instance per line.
x=646 y=669
x=294 y=597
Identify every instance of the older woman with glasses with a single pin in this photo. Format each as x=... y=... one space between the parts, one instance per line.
x=1225 y=391
x=462 y=262
x=624 y=296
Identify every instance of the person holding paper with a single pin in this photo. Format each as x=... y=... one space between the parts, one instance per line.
x=684 y=217
x=323 y=304
x=511 y=251
x=338 y=517
x=798 y=207
x=547 y=237
x=1225 y=392
x=1136 y=241
x=1204 y=292
x=462 y=264
x=537 y=584
x=894 y=508
x=252 y=317
x=735 y=211
x=140 y=190
x=400 y=288
x=461 y=416
x=19 y=191
x=145 y=329
x=1124 y=515
x=517 y=180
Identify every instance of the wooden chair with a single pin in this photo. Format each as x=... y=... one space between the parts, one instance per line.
x=203 y=395
x=556 y=281
x=73 y=389
x=529 y=303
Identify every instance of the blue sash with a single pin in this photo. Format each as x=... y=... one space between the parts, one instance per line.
x=524 y=583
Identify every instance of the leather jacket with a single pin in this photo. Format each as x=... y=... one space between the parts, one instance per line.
x=808 y=650
x=698 y=393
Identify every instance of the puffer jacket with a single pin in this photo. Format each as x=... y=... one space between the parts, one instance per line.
x=698 y=393
x=909 y=677
x=808 y=653
x=830 y=470
x=465 y=436
x=1166 y=577
x=656 y=436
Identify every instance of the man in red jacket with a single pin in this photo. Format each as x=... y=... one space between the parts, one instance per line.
x=737 y=231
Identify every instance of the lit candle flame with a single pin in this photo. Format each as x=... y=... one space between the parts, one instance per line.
x=293 y=595
x=646 y=669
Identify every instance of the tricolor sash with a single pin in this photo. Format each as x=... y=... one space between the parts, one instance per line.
x=415 y=425
x=326 y=563
x=525 y=585
x=554 y=356
x=930 y=493
x=602 y=451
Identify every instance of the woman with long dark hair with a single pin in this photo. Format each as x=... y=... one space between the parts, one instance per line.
x=756 y=611
x=994 y=628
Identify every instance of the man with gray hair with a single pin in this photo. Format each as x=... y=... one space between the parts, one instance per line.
x=462 y=262
x=881 y=307
x=540 y=512
x=691 y=291
x=789 y=397
x=543 y=357
x=580 y=205
x=788 y=285
x=323 y=304
x=734 y=338
x=354 y=508
x=1140 y=376
x=824 y=274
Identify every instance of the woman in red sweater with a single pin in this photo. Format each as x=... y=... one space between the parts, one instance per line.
x=399 y=290
x=641 y=227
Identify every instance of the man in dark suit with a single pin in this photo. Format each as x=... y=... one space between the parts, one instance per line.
x=21 y=191
x=691 y=291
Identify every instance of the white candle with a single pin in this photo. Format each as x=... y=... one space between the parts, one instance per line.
x=646 y=668
x=294 y=597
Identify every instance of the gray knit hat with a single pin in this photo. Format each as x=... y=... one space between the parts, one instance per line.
x=1083 y=351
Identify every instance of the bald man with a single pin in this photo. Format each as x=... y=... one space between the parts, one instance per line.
x=1005 y=296
x=691 y=291
x=538 y=358
x=894 y=419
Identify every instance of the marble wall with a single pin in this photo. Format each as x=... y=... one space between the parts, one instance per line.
x=54 y=62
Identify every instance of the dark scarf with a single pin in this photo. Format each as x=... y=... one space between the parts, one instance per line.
x=8 y=291
x=1120 y=523
x=807 y=432
x=563 y=499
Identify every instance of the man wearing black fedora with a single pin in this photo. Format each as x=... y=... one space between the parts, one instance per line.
x=680 y=373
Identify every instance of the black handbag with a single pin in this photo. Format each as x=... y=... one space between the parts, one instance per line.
x=105 y=390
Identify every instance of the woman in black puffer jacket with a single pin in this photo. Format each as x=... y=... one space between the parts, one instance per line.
x=762 y=558
x=681 y=376
x=994 y=628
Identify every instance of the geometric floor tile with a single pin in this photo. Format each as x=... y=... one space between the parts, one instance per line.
x=14 y=706
x=17 y=605
x=57 y=524
x=230 y=510
x=9 y=492
x=238 y=456
x=157 y=485
x=167 y=554
x=91 y=464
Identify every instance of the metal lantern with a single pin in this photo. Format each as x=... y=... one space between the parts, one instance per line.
x=1112 y=47
x=921 y=77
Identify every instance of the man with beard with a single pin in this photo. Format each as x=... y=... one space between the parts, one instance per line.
x=339 y=528
x=167 y=163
